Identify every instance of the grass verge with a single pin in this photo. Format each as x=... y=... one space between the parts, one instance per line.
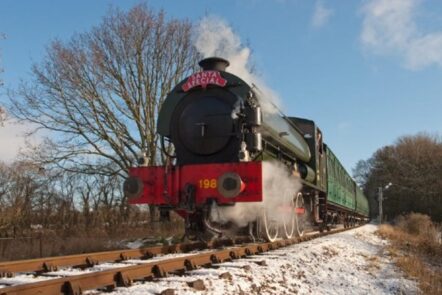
x=416 y=249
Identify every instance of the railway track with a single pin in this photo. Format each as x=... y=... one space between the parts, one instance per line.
x=128 y=266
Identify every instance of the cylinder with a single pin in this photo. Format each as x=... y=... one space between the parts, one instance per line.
x=253 y=115
x=254 y=141
x=307 y=173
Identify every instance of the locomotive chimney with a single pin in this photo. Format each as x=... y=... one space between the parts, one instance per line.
x=214 y=64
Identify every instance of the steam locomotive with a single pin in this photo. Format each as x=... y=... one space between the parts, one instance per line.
x=222 y=132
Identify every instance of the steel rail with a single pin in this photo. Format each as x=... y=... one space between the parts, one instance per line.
x=41 y=265
x=125 y=276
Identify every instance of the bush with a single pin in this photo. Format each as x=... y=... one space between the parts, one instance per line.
x=420 y=225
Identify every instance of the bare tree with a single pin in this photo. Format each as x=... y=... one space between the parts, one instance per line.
x=60 y=200
x=100 y=93
x=414 y=165
x=20 y=190
x=2 y=110
x=362 y=170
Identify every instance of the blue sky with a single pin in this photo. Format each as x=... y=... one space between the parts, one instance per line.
x=366 y=71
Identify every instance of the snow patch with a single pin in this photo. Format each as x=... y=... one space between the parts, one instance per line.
x=352 y=262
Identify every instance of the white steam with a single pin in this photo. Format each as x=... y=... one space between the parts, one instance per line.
x=279 y=188
x=216 y=38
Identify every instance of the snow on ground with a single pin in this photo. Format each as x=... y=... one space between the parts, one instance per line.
x=352 y=262
x=21 y=279
x=146 y=242
x=135 y=244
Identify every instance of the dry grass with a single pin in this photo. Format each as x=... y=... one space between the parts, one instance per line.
x=51 y=243
x=373 y=265
x=416 y=249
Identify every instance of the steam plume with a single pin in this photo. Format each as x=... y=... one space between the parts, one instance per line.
x=279 y=189
x=216 y=38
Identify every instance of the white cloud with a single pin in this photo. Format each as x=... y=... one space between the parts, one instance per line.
x=321 y=15
x=390 y=28
x=12 y=139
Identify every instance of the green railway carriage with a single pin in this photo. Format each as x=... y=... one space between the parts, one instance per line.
x=340 y=186
x=339 y=197
x=361 y=202
x=342 y=191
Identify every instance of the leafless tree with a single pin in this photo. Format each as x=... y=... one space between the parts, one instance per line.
x=60 y=200
x=19 y=192
x=414 y=165
x=100 y=93
x=2 y=110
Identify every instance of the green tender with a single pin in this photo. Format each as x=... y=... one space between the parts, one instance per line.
x=342 y=191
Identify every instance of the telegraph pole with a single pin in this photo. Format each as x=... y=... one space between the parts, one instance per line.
x=381 y=199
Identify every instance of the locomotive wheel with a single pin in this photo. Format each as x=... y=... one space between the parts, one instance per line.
x=300 y=214
x=289 y=219
x=270 y=227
